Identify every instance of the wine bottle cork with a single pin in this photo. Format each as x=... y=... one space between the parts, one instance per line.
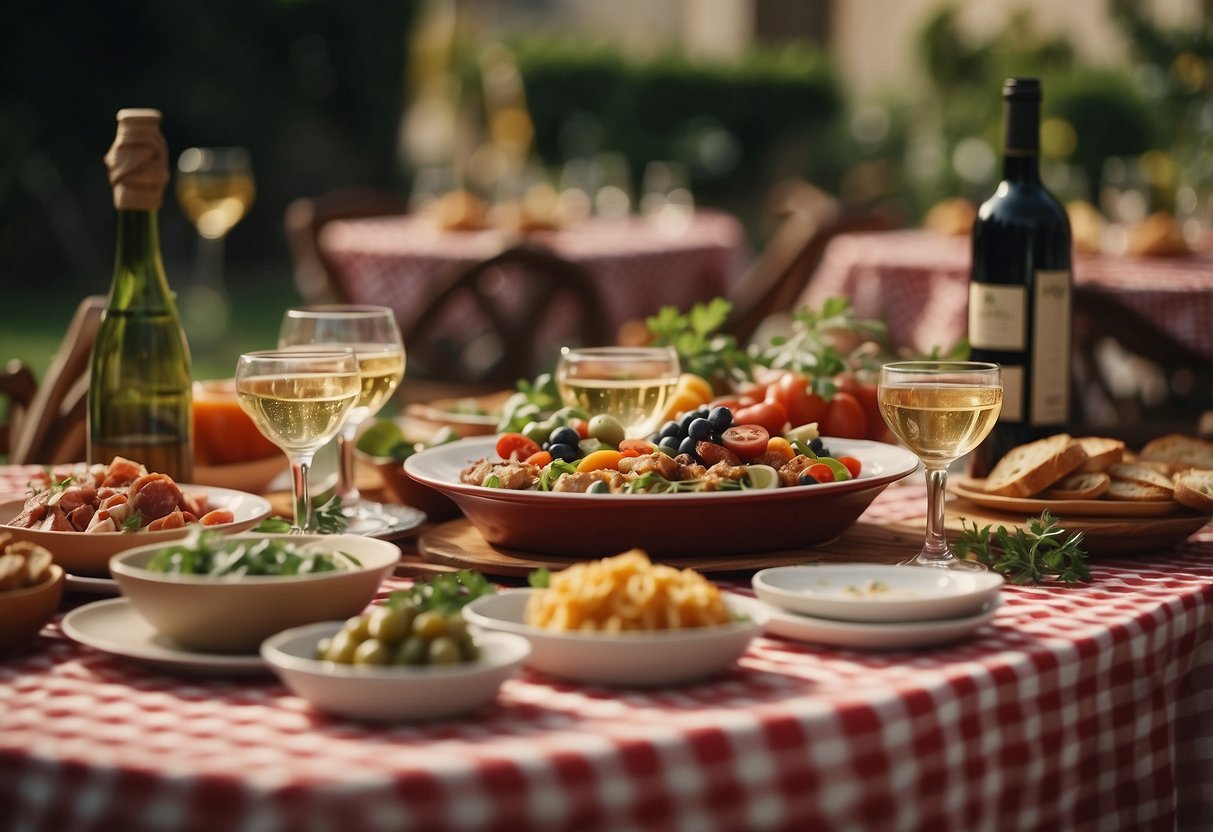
x=138 y=161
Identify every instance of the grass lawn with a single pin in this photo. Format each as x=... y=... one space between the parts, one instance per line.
x=32 y=324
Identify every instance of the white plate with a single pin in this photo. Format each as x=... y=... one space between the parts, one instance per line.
x=631 y=659
x=876 y=636
x=400 y=520
x=112 y=626
x=85 y=554
x=406 y=693
x=92 y=586
x=876 y=592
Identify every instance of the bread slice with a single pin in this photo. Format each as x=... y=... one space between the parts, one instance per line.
x=1102 y=453
x=1182 y=452
x=1140 y=475
x=1195 y=490
x=1079 y=486
x=1137 y=492
x=1031 y=468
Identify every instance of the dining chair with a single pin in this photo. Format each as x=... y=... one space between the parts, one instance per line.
x=811 y=218
x=1131 y=378
x=52 y=429
x=304 y=219
x=18 y=384
x=485 y=325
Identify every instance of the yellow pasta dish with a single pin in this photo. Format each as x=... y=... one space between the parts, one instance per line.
x=627 y=592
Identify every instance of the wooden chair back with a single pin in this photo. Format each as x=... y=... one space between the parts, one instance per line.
x=53 y=428
x=504 y=318
x=304 y=219
x=1132 y=378
x=17 y=388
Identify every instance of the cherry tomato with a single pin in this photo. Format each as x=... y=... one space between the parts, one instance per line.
x=865 y=393
x=632 y=452
x=771 y=415
x=844 y=418
x=516 y=446
x=731 y=402
x=802 y=404
x=782 y=447
x=747 y=441
x=581 y=426
x=539 y=458
x=818 y=471
x=851 y=464
x=710 y=453
x=640 y=446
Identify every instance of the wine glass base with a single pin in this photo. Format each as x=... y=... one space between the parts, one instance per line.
x=367 y=517
x=950 y=562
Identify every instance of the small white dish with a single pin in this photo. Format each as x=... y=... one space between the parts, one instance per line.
x=85 y=585
x=874 y=592
x=388 y=693
x=860 y=636
x=112 y=626
x=630 y=659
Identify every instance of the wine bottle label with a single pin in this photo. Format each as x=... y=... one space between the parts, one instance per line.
x=1051 y=348
x=1012 y=394
x=997 y=317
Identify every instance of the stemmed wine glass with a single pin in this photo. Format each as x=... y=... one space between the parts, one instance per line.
x=941 y=410
x=372 y=333
x=633 y=384
x=299 y=399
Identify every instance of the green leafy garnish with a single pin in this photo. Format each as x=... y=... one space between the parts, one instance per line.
x=1032 y=555
x=532 y=400
x=540 y=578
x=552 y=471
x=210 y=553
x=701 y=349
x=492 y=481
x=326 y=519
x=810 y=348
x=133 y=522
x=446 y=593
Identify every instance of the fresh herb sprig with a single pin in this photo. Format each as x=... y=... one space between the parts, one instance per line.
x=811 y=346
x=1042 y=551
x=326 y=517
x=701 y=348
x=447 y=594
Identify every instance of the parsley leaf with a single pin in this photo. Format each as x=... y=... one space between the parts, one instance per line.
x=1041 y=552
x=446 y=593
x=701 y=349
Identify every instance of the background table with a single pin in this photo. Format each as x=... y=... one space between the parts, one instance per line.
x=918 y=283
x=1087 y=707
x=637 y=266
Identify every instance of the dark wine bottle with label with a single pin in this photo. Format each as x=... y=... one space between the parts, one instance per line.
x=1020 y=287
x=139 y=397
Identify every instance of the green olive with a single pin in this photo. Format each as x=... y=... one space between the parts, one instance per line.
x=536 y=431
x=444 y=650
x=358 y=627
x=607 y=428
x=342 y=647
x=456 y=627
x=372 y=651
x=429 y=625
x=388 y=624
x=412 y=652
x=469 y=649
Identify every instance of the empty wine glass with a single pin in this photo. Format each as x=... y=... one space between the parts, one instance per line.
x=940 y=410
x=298 y=399
x=372 y=333
x=633 y=384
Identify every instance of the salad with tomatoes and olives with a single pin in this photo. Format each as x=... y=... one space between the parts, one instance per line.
x=703 y=450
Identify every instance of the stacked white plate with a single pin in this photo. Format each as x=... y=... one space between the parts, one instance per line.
x=875 y=606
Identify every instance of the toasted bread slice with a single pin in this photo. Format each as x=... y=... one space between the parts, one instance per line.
x=1102 y=453
x=1195 y=490
x=1031 y=468
x=1181 y=452
x=1080 y=486
x=1137 y=492
x=1140 y=475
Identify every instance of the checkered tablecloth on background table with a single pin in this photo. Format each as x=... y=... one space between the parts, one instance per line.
x=1081 y=708
x=636 y=266
x=917 y=282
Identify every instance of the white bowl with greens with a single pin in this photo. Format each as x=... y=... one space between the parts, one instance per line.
x=228 y=594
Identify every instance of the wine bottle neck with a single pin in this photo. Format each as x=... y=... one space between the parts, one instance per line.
x=1021 y=141
x=138 y=269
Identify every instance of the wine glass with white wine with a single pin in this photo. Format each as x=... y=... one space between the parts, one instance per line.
x=633 y=384
x=298 y=399
x=940 y=410
x=372 y=333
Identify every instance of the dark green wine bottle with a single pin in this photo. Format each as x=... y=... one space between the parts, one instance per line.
x=1020 y=288
x=139 y=403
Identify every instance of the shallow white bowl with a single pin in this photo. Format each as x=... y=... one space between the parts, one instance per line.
x=382 y=693
x=235 y=614
x=631 y=659
x=873 y=592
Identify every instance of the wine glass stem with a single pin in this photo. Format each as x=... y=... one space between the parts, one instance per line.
x=210 y=262
x=347 y=484
x=303 y=500
x=936 y=544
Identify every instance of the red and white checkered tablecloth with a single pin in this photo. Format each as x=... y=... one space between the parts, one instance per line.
x=1081 y=708
x=637 y=266
x=918 y=283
